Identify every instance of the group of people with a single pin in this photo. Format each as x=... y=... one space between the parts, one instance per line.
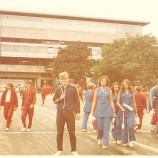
x=119 y=104
x=9 y=101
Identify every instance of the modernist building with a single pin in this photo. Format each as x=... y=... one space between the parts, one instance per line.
x=29 y=41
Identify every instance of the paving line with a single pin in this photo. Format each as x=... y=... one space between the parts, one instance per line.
x=79 y=122
x=40 y=132
x=145 y=146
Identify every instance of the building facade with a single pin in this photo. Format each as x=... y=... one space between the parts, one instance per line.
x=29 y=41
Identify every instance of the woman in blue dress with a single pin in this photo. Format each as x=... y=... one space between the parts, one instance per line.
x=126 y=98
x=87 y=106
x=104 y=110
x=116 y=130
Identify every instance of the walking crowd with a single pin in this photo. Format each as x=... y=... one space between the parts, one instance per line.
x=118 y=105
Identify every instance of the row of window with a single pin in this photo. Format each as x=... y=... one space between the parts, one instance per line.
x=69 y=25
x=37 y=51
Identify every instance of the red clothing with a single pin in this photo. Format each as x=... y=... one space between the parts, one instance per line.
x=44 y=91
x=28 y=98
x=81 y=83
x=140 y=99
x=9 y=106
x=13 y=98
x=30 y=113
x=8 y=113
x=140 y=115
x=141 y=104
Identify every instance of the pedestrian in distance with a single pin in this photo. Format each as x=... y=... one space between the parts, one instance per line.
x=126 y=100
x=116 y=130
x=104 y=110
x=88 y=105
x=43 y=94
x=91 y=100
x=28 y=103
x=141 y=105
x=154 y=104
x=66 y=97
x=10 y=102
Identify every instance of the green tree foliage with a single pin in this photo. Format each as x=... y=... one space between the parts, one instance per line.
x=132 y=57
x=75 y=59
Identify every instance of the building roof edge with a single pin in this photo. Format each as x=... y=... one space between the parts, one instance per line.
x=46 y=15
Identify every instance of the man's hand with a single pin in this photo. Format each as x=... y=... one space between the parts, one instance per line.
x=62 y=96
x=77 y=116
x=31 y=106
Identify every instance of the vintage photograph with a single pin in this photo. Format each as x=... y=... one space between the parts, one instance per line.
x=78 y=78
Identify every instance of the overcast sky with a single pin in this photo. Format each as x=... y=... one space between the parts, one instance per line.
x=138 y=10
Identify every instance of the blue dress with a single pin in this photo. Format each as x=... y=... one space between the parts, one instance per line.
x=128 y=99
x=103 y=108
x=87 y=106
x=115 y=102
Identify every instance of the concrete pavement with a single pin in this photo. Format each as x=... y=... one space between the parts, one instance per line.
x=42 y=139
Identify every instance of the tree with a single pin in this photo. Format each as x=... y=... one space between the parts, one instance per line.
x=75 y=59
x=132 y=57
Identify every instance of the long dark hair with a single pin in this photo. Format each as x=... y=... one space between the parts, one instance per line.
x=129 y=83
x=113 y=85
x=104 y=77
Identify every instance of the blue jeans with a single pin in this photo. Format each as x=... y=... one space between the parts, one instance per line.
x=85 y=119
x=116 y=131
x=128 y=131
x=103 y=127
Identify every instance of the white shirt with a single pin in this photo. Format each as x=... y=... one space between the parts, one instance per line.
x=8 y=95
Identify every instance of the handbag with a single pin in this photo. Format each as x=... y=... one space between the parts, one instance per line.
x=136 y=121
x=154 y=118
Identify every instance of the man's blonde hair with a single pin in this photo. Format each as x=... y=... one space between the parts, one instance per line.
x=63 y=75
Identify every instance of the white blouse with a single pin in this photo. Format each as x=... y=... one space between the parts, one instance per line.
x=8 y=95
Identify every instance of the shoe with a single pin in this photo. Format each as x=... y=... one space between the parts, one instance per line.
x=95 y=131
x=118 y=142
x=125 y=145
x=84 y=130
x=136 y=128
x=29 y=130
x=7 y=129
x=74 y=153
x=58 y=153
x=130 y=144
x=153 y=131
x=114 y=142
x=99 y=141
x=104 y=147
x=23 y=129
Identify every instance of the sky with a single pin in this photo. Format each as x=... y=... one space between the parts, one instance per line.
x=137 y=10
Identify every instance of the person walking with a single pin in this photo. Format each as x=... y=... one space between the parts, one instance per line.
x=154 y=104
x=43 y=94
x=141 y=105
x=116 y=130
x=87 y=106
x=91 y=100
x=28 y=103
x=66 y=97
x=126 y=99
x=104 y=110
x=10 y=102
